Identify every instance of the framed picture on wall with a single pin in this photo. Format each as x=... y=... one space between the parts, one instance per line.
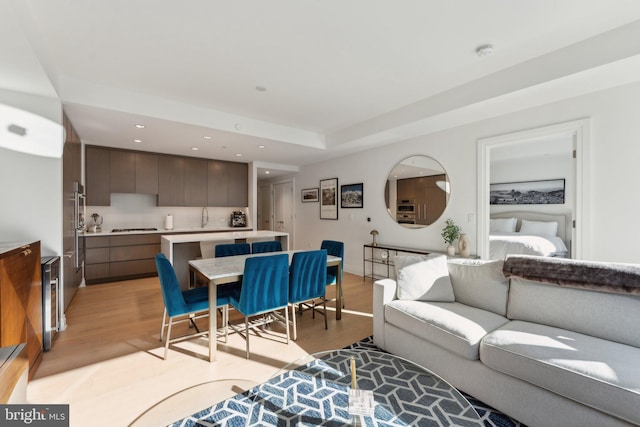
x=351 y=196
x=310 y=195
x=542 y=192
x=329 y=198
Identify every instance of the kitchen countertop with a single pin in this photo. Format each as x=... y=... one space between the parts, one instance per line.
x=174 y=231
x=9 y=246
x=235 y=234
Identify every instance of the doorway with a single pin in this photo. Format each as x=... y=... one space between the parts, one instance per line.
x=489 y=148
x=283 y=209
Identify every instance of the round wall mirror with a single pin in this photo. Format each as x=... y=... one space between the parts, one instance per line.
x=417 y=191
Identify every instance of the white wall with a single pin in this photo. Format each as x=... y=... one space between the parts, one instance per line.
x=615 y=201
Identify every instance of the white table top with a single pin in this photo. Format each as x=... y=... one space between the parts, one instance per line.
x=233 y=266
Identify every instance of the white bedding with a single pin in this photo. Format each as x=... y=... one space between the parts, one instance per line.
x=501 y=244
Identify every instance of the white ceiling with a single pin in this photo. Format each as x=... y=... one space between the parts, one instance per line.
x=340 y=76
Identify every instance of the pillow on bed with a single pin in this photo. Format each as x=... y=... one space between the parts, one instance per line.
x=539 y=227
x=427 y=280
x=503 y=225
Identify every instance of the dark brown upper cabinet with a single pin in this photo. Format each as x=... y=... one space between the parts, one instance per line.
x=170 y=181
x=218 y=188
x=195 y=182
x=98 y=176
x=146 y=173
x=123 y=171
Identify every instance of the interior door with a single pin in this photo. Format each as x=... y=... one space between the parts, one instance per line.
x=264 y=208
x=283 y=209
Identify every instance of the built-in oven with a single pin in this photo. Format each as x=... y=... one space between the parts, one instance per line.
x=50 y=299
x=406 y=207
x=406 y=218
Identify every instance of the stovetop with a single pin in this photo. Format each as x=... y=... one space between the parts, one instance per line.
x=120 y=230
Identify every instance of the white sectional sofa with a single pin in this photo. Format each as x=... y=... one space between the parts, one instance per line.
x=549 y=342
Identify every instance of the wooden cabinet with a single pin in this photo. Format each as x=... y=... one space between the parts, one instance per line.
x=14 y=368
x=21 y=301
x=146 y=173
x=170 y=181
x=238 y=184
x=406 y=190
x=195 y=182
x=98 y=176
x=123 y=171
x=121 y=257
x=228 y=184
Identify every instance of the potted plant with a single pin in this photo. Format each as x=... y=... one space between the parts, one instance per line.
x=450 y=233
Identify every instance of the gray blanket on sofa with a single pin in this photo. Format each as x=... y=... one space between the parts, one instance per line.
x=596 y=276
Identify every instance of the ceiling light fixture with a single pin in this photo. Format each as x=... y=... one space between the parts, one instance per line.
x=137 y=141
x=195 y=148
x=140 y=126
x=238 y=155
x=207 y=137
x=267 y=172
x=261 y=146
x=484 y=50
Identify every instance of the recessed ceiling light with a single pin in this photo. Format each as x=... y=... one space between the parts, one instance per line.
x=484 y=50
x=261 y=88
x=267 y=172
x=140 y=126
x=260 y=146
x=238 y=155
x=207 y=137
x=137 y=141
x=195 y=148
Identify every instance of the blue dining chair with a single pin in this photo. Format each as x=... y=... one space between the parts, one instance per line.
x=308 y=281
x=232 y=249
x=334 y=248
x=268 y=246
x=265 y=288
x=186 y=306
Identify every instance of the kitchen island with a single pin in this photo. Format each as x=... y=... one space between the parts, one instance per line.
x=181 y=248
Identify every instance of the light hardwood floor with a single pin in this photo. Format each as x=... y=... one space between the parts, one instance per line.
x=108 y=363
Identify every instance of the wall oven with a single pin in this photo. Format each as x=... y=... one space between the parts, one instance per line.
x=406 y=207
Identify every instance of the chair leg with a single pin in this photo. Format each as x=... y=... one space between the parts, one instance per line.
x=166 y=344
x=246 y=331
x=164 y=316
x=225 y=316
x=324 y=307
x=293 y=315
x=286 y=315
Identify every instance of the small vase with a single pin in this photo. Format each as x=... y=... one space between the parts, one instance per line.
x=451 y=250
x=464 y=247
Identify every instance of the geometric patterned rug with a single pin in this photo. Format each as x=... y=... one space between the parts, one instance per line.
x=317 y=390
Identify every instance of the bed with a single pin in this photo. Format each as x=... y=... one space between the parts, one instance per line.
x=529 y=233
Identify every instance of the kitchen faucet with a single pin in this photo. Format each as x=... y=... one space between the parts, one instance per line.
x=205 y=216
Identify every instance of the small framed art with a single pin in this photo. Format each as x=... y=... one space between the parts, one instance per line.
x=329 y=198
x=310 y=195
x=351 y=196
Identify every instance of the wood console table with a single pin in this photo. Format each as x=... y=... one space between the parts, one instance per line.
x=382 y=255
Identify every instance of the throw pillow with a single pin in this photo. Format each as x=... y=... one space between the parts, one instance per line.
x=401 y=261
x=545 y=228
x=480 y=283
x=502 y=225
x=426 y=280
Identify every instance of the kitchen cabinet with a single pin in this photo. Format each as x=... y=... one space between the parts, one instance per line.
x=98 y=176
x=406 y=190
x=228 y=184
x=21 y=301
x=146 y=173
x=170 y=181
x=195 y=182
x=123 y=171
x=14 y=369
x=121 y=257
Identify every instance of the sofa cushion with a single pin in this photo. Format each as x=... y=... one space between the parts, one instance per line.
x=426 y=280
x=595 y=372
x=479 y=283
x=599 y=314
x=453 y=326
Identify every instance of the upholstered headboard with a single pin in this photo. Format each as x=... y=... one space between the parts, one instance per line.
x=564 y=222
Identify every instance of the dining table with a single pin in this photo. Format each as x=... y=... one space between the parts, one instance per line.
x=224 y=270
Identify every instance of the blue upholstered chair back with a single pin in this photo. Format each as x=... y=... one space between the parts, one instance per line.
x=231 y=249
x=307 y=275
x=171 y=293
x=262 y=247
x=334 y=248
x=265 y=284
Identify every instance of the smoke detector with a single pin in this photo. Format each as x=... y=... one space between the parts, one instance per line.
x=484 y=50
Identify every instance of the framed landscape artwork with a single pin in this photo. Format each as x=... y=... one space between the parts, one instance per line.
x=310 y=195
x=351 y=196
x=329 y=198
x=543 y=192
